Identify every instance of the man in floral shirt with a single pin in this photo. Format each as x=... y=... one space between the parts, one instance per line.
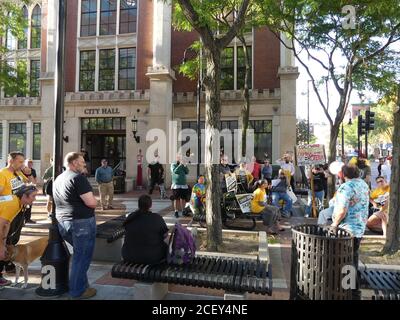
x=351 y=208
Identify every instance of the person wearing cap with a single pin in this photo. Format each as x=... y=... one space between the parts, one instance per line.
x=10 y=206
x=288 y=169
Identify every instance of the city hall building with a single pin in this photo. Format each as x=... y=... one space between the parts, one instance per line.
x=121 y=64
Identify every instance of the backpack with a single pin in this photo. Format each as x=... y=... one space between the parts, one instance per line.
x=181 y=247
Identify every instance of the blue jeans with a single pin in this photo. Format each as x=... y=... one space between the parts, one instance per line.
x=276 y=196
x=325 y=215
x=318 y=195
x=81 y=235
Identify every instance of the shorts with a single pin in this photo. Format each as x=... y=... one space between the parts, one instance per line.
x=181 y=194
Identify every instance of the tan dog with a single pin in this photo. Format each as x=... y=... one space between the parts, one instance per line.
x=22 y=255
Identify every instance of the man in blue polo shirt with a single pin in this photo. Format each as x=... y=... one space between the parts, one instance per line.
x=104 y=177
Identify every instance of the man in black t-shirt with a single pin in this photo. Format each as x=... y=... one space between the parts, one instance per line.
x=75 y=205
x=155 y=173
x=145 y=235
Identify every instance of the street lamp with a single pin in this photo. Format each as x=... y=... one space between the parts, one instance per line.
x=192 y=55
x=134 y=129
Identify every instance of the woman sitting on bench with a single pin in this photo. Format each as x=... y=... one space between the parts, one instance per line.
x=145 y=235
x=269 y=214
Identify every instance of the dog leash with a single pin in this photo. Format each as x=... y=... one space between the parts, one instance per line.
x=22 y=212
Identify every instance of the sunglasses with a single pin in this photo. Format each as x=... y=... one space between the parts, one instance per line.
x=380 y=181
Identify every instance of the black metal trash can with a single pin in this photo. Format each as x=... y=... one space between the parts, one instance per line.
x=119 y=184
x=318 y=259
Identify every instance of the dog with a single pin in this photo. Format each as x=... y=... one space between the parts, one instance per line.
x=22 y=255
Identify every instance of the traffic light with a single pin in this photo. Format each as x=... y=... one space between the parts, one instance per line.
x=369 y=120
x=361 y=125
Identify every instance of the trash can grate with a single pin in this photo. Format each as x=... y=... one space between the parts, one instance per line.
x=318 y=259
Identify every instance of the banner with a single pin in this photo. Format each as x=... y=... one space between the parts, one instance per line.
x=231 y=184
x=308 y=155
x=244 y=201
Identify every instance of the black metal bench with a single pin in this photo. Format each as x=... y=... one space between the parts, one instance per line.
x=384 y=283
x=111 y=230
x=231 y=274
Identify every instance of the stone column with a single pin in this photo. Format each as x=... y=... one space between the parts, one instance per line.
x=161 y=80
x=5 y=143
x=29 y=139
x=288 y=73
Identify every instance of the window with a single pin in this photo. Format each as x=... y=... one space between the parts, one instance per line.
x=88 y=18
x=126 y=72
x=36 y=27
x=34 y=78
x=1 y=140
x=10 y=41
x=107 y=69
x=241 y=67
x=94 y=124
x=128 y=16
x=108 y=17
x=231 y=80
x=87 y=70
x=9 y=68
x=262 y=137
x=226 y=124
x=17 y=141
x=36 y=141
x=23 y=43
x=227 y=69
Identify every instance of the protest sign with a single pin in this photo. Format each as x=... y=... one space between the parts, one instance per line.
x=231 y=184
x=308 y=155
x=244 y=201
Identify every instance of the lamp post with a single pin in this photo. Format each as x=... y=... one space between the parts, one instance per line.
x=55 y=259
x=308 y=111
x=198 y=96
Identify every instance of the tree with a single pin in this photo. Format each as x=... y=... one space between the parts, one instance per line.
x=13 y=78
x=203 y=16
x=350 y=134
x=302 y=133
x=350 y=58
x=392 y=244
x=384 y=121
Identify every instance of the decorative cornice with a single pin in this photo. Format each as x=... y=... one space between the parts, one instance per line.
x=160 y=73
x=138 y=95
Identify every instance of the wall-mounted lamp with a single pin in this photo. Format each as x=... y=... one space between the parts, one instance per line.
x=66 y=139
x=134 y=129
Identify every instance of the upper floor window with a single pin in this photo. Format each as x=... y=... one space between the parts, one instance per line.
x=23 y=43
x=233 y=74
x=108 y=17
x=36 y=27
x=126 y=71
x=128 y=16
x=10 y=40
x=87 y=70
x=107 y=69
x=88 y=18
x=34 y=78
x=227 y=69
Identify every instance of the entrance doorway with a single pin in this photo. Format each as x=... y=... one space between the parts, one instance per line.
x=103 y=142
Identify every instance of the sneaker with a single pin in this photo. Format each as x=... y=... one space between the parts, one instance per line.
x=4 y=282
x=89 y=293
x=176 y=214
x=30 y=221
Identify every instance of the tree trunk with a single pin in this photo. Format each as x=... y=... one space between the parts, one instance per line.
x=332 y=157
x=246 y=95
x=392 y=244
x=212 y=124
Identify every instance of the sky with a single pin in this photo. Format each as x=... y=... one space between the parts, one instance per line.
x=317 y=114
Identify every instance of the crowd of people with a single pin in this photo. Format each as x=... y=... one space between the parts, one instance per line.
x=353 y=207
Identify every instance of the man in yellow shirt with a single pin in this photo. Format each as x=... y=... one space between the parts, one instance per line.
x=13 y=176
x=10 y=206
x=269 y=214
